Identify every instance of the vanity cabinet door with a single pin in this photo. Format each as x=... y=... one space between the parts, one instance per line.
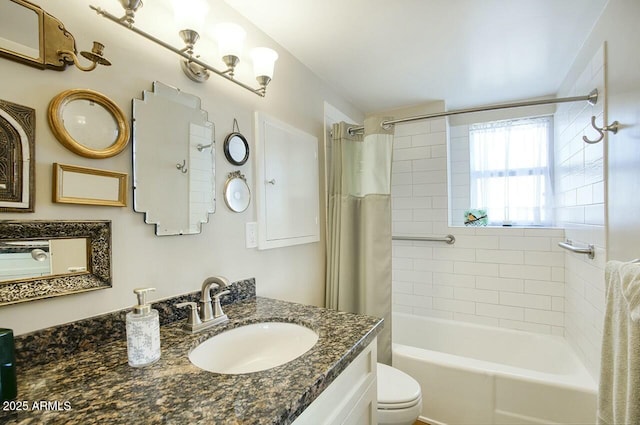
x=351 y=399
x=287 y=184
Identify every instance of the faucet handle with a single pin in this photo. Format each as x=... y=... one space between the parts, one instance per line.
x=221 y=293
x=217 y=309
x=193 y=318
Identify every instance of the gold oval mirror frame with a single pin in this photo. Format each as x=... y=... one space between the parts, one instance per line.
x=56 y=122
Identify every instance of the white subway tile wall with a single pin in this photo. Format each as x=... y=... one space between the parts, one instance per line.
x=507 y=277
x=201 y=176
x=459 y=173
x=580 y=206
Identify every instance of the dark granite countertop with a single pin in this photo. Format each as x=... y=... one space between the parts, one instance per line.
x=98 y=386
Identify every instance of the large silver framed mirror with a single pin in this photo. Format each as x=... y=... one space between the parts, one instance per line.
x=88 y=123
x=44 y=259
x=17 y=161
x=173 y=161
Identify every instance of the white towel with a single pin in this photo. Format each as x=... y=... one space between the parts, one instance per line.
x=619 y=392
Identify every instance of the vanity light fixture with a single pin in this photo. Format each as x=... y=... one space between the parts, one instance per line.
x=230 y=37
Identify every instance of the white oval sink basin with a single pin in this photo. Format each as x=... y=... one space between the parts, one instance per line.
x=253 y=348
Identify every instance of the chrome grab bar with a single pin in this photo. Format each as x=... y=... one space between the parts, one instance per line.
x=449 y=239
x=590 y=250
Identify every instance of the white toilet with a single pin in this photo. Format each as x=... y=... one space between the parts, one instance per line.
x=399 y=397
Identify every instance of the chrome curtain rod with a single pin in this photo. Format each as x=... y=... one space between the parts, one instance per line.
x=450 y=239
x=592 y=98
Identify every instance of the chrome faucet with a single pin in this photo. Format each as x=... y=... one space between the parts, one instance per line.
x=208 y=312
x=206 y=308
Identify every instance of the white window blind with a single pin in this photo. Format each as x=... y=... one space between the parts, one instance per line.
x=510 y=170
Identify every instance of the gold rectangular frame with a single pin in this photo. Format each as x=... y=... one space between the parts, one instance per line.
x=20 y=57
x=59 y=196
x=53 y=37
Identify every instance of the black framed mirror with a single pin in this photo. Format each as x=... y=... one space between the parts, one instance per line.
x=236 y=149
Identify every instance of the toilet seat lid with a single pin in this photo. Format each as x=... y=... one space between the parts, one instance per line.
x=396 y=389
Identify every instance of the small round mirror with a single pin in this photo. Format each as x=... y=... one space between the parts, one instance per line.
x=236 y=192
x=88 y=123
x=236 y=149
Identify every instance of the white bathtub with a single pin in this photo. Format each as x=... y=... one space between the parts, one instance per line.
x=474 y=374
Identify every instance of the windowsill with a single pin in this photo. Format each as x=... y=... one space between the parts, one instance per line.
x=514 y=226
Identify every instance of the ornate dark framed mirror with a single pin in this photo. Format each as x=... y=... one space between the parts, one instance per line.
x=236 y=147
x=45 y=259
x=17 y=157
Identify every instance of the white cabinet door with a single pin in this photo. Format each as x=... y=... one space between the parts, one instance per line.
x=287 y=186
x=351 y=399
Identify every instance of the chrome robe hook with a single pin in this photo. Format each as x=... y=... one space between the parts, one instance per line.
x=202 y=147
x=612 y=128
x=182 y=167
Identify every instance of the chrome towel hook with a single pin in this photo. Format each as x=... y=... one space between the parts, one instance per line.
x=612 y=128
x=182 y=167
x=202 y=147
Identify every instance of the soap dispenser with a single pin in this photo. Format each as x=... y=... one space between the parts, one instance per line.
x=143 y=331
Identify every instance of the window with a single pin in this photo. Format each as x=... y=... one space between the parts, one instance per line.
x=510 y=172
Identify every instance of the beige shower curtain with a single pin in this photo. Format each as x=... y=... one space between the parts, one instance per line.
x=359 y=225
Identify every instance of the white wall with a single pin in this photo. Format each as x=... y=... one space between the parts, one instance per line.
x=612 y=224
x=507 y=277
x=173 y=264
x=459 y=175
x=619 y=27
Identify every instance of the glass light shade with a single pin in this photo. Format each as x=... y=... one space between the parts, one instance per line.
x=190 y=14
x=264 y=60
x=230 y=38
